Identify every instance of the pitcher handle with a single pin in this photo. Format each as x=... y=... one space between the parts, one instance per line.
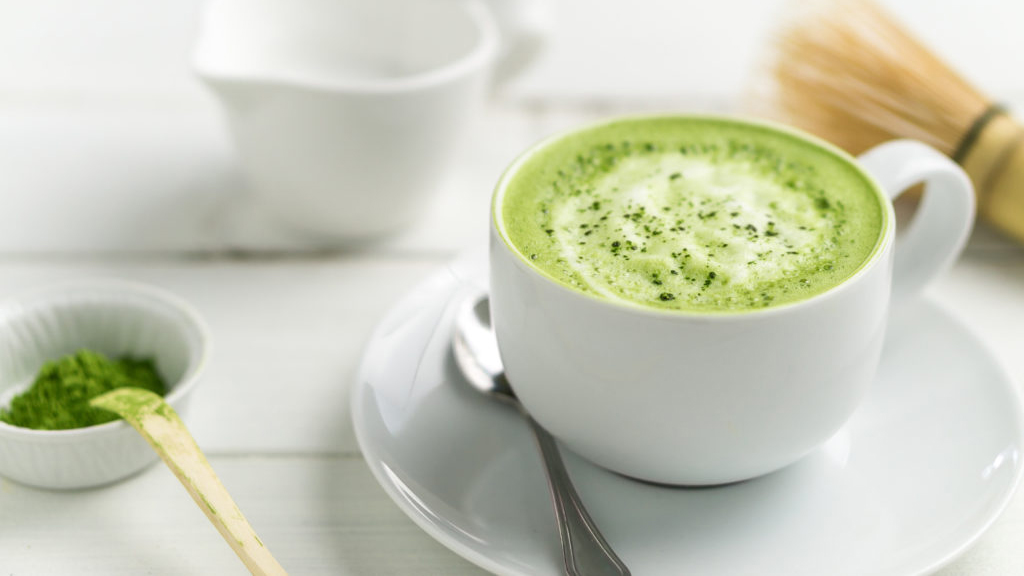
x=943 y=221
x=525 y=26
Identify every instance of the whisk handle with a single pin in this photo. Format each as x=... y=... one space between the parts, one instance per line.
x=939 y=229
x=992 y=154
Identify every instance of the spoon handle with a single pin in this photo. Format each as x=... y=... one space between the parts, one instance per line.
x=160 y=425
x=584 y=549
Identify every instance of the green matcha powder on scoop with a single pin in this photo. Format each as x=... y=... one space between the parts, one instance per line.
x=59 y=397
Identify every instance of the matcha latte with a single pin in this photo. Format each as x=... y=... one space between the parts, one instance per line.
x=691 y=213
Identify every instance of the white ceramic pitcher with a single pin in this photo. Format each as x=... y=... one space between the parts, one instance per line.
x=347 y=114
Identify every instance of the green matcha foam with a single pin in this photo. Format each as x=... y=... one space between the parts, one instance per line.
x=692 y=213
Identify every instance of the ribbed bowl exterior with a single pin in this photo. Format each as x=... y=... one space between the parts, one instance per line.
x=115 y=318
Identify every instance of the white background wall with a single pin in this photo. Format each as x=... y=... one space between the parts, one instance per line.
x=634 y=48
x=708 y=47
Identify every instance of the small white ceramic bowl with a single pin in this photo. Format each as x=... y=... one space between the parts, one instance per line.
x=112 y=317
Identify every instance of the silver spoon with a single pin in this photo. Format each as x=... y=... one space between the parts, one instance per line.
x=584 y=549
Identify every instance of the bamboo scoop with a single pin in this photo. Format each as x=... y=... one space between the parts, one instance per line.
x=848 y=72
x=160 y=425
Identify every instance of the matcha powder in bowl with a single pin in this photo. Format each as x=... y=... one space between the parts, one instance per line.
x=64 y=344
x=59 y=397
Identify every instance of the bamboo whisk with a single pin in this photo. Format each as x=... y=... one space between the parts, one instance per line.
x=850 y=74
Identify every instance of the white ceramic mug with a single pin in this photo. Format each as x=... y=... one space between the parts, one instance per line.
x=347 y=114
x=696 y=399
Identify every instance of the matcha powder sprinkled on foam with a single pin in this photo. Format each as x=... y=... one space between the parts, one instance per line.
x=692 y=214
x=59 y=397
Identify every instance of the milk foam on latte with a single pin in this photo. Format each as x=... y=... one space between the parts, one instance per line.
x=694 y=214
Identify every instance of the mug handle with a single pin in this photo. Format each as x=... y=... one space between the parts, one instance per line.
x=525 y=26
x=938 y=231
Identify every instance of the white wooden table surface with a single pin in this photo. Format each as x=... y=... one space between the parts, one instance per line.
x=288 y=329
x=111 y=183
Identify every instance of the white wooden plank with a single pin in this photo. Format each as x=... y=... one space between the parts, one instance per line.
x=289 y=333
x=145 y=178
x=164 y=178
x=124 y=178
x=308 y=319
x=318 y=516
x=287 y=338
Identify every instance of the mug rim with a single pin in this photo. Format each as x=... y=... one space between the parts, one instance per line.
x=483 y=51
x=882 y=245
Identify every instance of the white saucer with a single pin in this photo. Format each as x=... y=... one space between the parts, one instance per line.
x=923 y=468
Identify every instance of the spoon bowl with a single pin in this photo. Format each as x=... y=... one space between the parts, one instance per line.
x=476 y=352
